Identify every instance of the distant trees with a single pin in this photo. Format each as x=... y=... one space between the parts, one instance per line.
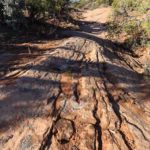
x=46 y=8
x=18 y=10
x=93 y=3
x=107 y=2
x=59 y=7
x=2 y=11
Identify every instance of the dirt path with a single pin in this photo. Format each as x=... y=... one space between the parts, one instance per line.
x=86 y=94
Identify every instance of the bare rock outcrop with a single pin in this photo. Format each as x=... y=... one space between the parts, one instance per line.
x=83 y=96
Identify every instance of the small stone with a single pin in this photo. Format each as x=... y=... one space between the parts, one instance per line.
x=74 y=148
x=64 y=131
x=26 y=143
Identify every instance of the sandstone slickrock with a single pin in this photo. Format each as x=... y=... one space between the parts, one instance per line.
x=77 y=98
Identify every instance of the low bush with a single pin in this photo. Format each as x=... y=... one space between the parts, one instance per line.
x=19 y=13
x=131 y=18
x=106 y=2
x=2 y=10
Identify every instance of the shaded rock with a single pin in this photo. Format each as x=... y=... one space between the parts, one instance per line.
x=64 y=131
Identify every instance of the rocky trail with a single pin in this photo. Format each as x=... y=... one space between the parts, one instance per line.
x=84 y=94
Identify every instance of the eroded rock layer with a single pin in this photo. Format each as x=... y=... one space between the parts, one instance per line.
x=86 y=95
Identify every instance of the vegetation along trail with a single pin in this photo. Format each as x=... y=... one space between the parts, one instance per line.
x=86 y=93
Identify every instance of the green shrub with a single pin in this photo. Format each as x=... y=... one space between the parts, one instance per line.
x=107 y=2
x=2 y=10
x=121 y=7
x=132 y=18
x=146 y=27
x=37 y=8
x=81 y=3
x=93 y=3
x=144 y=6
x=20 y=13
